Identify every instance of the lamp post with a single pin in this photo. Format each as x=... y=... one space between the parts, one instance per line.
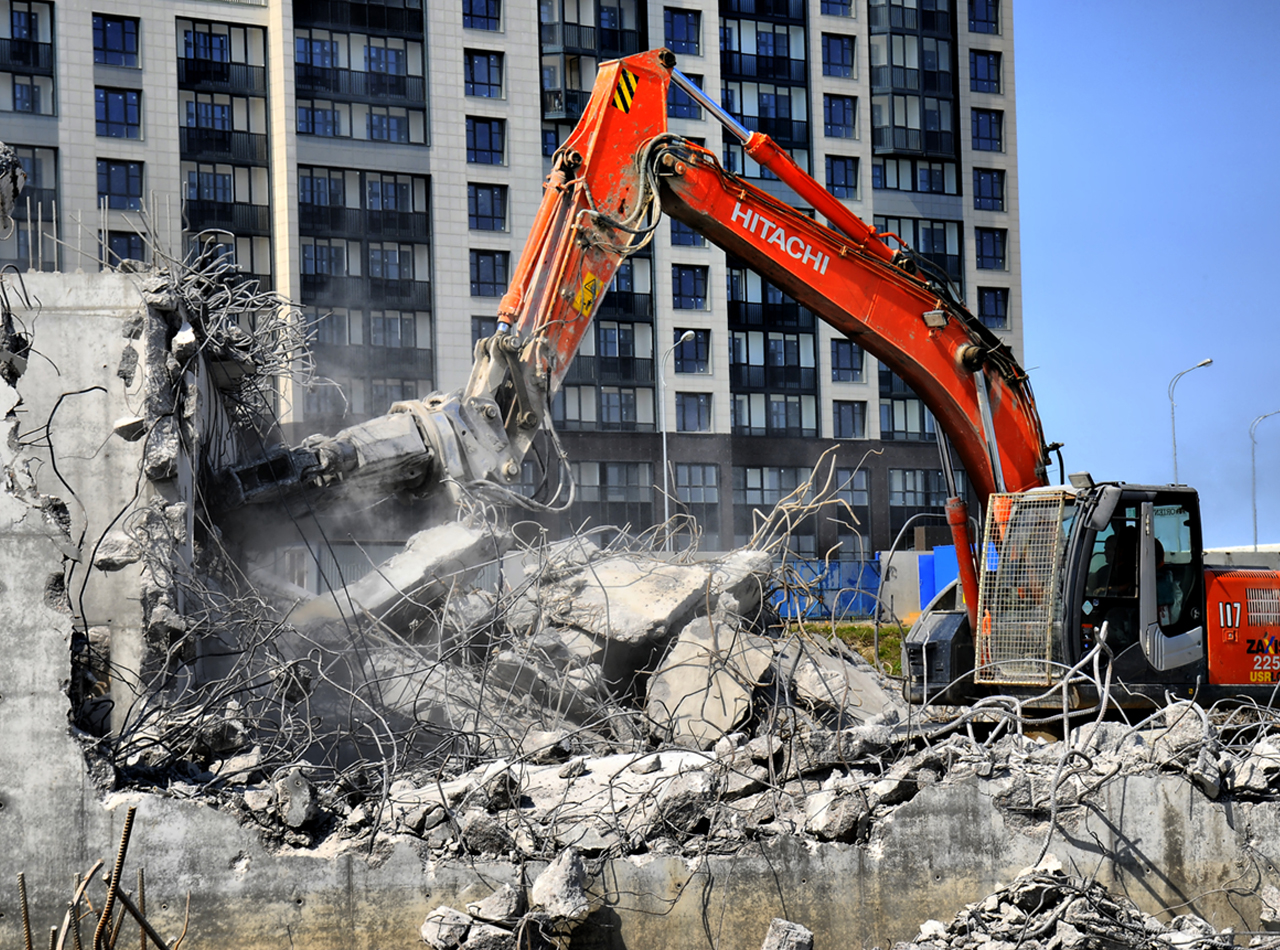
x=1253 y=470
x=662 y=425
x=1173 y=424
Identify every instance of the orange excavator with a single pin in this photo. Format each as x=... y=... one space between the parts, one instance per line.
x=1058 y=568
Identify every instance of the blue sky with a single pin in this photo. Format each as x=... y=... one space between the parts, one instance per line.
x=1149 y=164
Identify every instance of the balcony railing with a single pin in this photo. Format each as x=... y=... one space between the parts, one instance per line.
x=894 y=77
x=197 y=143
x=571 y=37
x=564 y=104
x=621 y=303
x=618 y=42
x=786 y=131
x=752 y=376
x=26 y=54
x=342 y=14
x=886 y=17
x=329 y=219
x=402 y=294
x=787 y=313
x=397 y=224
x=354 y=82
x=237 y=217
x=333 y=289
x=222 y=77
x=754 y=66
x=780 y=9
x=624 y=370
x=936 y=81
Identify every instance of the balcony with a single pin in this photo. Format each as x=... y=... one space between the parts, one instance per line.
x=787 y=313
x=330 y=219
x=737 y=65
x=775 y=9
x=336 y=290
x=885 y=17
x=564 y=104
x=937 y=82
x=354 y=83
x=783 y=130
x=237 y=217
x=210 y=75
x=623 y=370
x=198 y=144
x=397 y=224
x=620 y=303
x=400 y=293
x=884 y=78
x=618 y=42
x=26 y=55
x=568 y=38
x=344 y=15
x=791 y=378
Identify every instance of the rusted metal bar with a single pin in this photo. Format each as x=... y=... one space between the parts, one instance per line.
x=105 y=918
x=26 y=915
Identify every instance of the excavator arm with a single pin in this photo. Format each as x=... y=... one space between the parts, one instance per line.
x=617 y=170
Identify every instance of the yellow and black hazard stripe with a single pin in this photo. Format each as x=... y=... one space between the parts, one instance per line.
x=625 y=91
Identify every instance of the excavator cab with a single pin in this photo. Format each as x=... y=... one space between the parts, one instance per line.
x=1057 y=567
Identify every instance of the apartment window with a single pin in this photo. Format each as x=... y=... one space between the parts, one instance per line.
x=386 y=391
x=693 y=412
x=698 y=491
x=988 y=189
x=905 y=174
x=846 y=362
x=391 y=328
x=332 y=327
x=991 y=247
x=482 y=328
x=115 y=40
x=686 y=236
x=391 y=261
x=314 y=118
x=324 y=257
x=682 y=30
x=118 y=113
x=387 y=56
x=688 y=287
x=837 y=7
x=26 y=95
x=487 y=207
x=984 y=71
x=489 y=273
x=388 y=193
x=993 y=307
x=481 y=14
x=680 y=105
x=693 y=356
x=842 y=176
x=839 y=116
x=486 y=141
x=617 y=408
x=387 y=124
x=213 y=183
x=124 y=246
x=849 y=420
x=837 y=55
x=214 y=44
x=210 y=112
x=987 y=130
x=307 y=50
x=984 y=16
x=120 y=184
x=483 y=74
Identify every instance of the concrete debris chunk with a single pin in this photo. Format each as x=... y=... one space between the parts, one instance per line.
x=484 y=834
x=739 y=581
x=559 y=891
x=489 y=937
x=787 y=935
x=843 y=689
x=684 y=803
x=432 y=563
x=116 y=551
x=445 y=929
x=295 y=799
x=703 y=687
x=504 y=905
x=626 y=599
x=832 y=816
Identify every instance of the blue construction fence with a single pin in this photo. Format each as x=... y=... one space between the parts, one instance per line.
x=848 y=589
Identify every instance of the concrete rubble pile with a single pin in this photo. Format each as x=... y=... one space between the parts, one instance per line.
x=1047 y=909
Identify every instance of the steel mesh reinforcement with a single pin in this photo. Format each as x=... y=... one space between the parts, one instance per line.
x=1019 y=595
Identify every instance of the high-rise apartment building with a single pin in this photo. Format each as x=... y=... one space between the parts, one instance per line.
x=381 y=163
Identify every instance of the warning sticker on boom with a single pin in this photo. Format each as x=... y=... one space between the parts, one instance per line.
x=625 y=91
x=587 y=293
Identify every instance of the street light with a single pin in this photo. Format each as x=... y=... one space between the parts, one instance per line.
x=1173 y=425
x=662 y=425
x=1253 y=470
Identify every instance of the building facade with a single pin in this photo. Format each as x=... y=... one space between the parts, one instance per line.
x=381 y=164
